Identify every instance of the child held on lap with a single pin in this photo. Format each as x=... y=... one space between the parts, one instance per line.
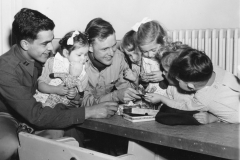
x=150 y=38
x=69 y=71
x=175 y=97
x=216 y=89
x=132 y=56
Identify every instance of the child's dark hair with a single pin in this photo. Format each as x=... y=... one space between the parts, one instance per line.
x=129 y=43
x=150 y=32
x=28 y=23
x=99 y=28
x=191 y=66
x=80 y=39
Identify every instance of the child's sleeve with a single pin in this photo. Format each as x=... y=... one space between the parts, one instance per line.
x=136 y=69
x=47 y=69
x=184 y=102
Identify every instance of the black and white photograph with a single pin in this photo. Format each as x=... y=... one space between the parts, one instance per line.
x=119 y=79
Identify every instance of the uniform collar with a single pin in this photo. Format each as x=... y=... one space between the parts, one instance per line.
x=96 y=63
x=28 y=65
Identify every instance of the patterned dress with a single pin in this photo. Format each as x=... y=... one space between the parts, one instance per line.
x=57 y=64
x=148 y=66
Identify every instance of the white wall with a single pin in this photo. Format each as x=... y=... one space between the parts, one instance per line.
x=8 y=8
x=123 y=14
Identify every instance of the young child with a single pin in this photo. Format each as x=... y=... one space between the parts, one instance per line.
x=215 y=89
x=133 y=57
x=74 y=48
x=150 y=38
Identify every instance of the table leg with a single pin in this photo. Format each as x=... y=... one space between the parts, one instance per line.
x=142 y=153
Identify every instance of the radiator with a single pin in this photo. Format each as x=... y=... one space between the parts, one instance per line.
x=221 y=45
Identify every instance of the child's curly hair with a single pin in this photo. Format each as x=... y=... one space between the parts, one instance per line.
x=170 y=47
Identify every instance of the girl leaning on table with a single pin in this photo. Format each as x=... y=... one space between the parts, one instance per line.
x=140 y=46
x=150 y=38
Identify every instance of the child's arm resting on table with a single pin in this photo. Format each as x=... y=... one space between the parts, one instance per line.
x=205 y=117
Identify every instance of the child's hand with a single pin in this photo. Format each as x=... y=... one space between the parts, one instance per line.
x=61 y=90
x=152 y=97
x=205 y=117
x=130 y=75
x=155 y=76
x=151 y=89
x=72 y=92
x=76 y=68
x=144 y=77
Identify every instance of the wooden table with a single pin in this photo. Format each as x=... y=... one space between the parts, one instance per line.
x=216 y=139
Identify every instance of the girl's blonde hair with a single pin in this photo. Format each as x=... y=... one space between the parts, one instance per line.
x=150 y=32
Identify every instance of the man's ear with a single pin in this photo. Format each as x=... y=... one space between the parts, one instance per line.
x=65 y=53
x=191 y=86
x=24 y=44
x=90 y=48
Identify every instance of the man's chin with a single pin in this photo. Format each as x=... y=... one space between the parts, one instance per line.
x=42 y=60
x=108 y=63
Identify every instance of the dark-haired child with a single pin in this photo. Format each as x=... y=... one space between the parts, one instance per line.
x=74 y=48
x=214 y=88
x=178 y=106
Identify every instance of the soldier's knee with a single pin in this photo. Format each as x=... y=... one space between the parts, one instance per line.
x=8 y=146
